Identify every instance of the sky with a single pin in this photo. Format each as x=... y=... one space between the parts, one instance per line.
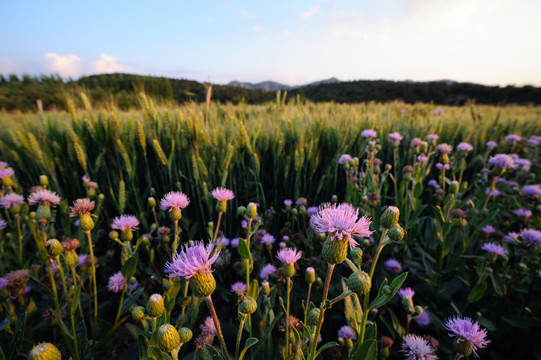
x=492 y=42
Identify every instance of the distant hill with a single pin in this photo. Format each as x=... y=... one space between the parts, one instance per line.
x=265 y=85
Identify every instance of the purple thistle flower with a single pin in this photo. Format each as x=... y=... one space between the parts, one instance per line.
x=531 y=237
x=532 y=190
x=345 y=332
x=174 y=200
x=268 y=239
x=3 y=165
x=244 y=224
x=369 y=133
x=437 y=111
x=424 y=319
x=416 y=348
x=85 y=179
x=494 y=248
x=491 y=144
x=208 y=326
x=44 y=197
x=219 y=194
x=3 y=224
x=116 y=282
x=513 y=137
x=235 y=242
x=415 y=143
x=289 y=256
x=312 y=210
x=444 y=149
x=3 y=283
x=406 y=293
x=191 y=260
x=433 y=183
x=239 y=287
x=511 y=237
x=503 y=161
x=464 y=329
x=440 y=166
x=282 y=244
x=5 y=173
x=393 y=265
x=395 y=137
x=266 y=271
x=464 y=146
x=533 y=140
x=489 y=229
x=422 y=158
x=432 y=137
x=125 y=222
x=301 y=202
x=11 y=199
x=344 y=158
x=538 y=274
x=524 y=164
x=288 y=202
x=523 y=212
x=223 y=240
x=495 y=192
x=133 y=286
x=341 y=220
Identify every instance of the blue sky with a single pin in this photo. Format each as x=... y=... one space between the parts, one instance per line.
x=494 y=42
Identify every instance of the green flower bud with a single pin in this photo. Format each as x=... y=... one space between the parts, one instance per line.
x=294 y=212
x=151 y=202
x=241 y=210
x=463 y=348
x=87 y=224
x=113 y=235
x=248 y=306
x=390 y=216
x=407 y=304
x=359 y=282
x=155 y=305
x=45 y=351
x=335 y=251
x=356 y=255
x=288 y=270
x=348 y=343
x=202 y=284
x=132 y=280
x=185 y=335
x=418 y=310
x=251 y=210
x=384 y=353
x=265 y=288
x=453 y=187
x=445 y=159
x=334 y=199
x=396 y=233
x=54 y=248
x=43 y=212
x=72 y=260
x=101 y=197
x=175 y=214
x=310 y=275
x=302 y=210
x=168 y=338
x=166 y=239
x=138 y=313
x=313 y=317
x=221 y=206
x=43 y=180
x=126 y=235
x=388 y=167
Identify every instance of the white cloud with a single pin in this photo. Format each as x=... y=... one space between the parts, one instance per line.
x=309 y=13
x=8 y=66
x=65 y=65
x=107 y=64
x=257 y=27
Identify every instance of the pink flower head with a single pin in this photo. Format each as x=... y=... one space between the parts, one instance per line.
x=221 y=194
x=191 y=260
x=44 y=197
x=513 y=137
x=288 y=202
x=266 y=271
x=531 y=236
x=345 y=332
x=494 y=248
x=491 y=144
x=406 y=293
x=268 y=239
x=464 y=146
x=395 y=137
x=503 y=161
x=489 y=229
x=511 y=237
x=3 y=165
x=369 y=133
x=174 y=200
x=11 y=199
x=116 y=282
x=7 y=172
x=82 y=207
x=341 y=220
x=444 y=149
x=415 y=143
x=239 y=287
x=209 y=326
x=432 y=137
x=464 y=329
x=125 y=222
x=344 y=158
x=422 y=158
x=423 y=319
x=440 y=166
x=85 y=179
x=532 y=190
x=289 y=256
x=416 y=348
x=393 y=265
x=3 y=224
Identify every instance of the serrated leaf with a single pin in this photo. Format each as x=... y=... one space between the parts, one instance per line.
x=129 y=267
x=17 y=338
x=367 y=351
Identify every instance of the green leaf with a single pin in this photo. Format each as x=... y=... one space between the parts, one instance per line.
x=243 y=250
x=477 y=292
x=383 y=299
x=42 y=286
x=131 y=300
x=62 y=325
x=174 y=287
x=326 y=346
x=396 y=324
x=2 y=355
x=210 y=353
x=367 y=351
x=248 y=344
x=4 y=324
x=142 y=343
x=17 y=339
x=254 y=289
x=267 y=332
x=82 y=338
x=129 y=268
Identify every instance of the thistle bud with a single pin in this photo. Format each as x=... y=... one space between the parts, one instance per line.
x=113 y=235
x=43 y=213
x=155 y=305
x=418 y=310
x=310 y=275
x=388 y=167
x=241 y=210
x=168 y=338
x=463 y=348
x=151 y=202
x=72 y=260
x=390 y=216
x=175 y=214
x=265 y=288
x=202 y=284
x=251 y=210
x=453 y=187
x=335 y=251
x=359 y=282
x=138 y=313
x=356 y=255
x=185 y=335
x=407 y=304
x=288 y=270
x=43 y=180
x=221 y=206
x=396 y=233
x=87 y=224
x=45 y=351
x=334 y=199
x=313 y=317
x=126 y=235
x=54 y=248
x=248 y=306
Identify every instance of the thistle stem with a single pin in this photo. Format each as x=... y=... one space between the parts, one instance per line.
x=313 y=343
x=307 y=302
x=288 y=350
x=210 y=305
x=18 y=220
x=120 y=304
x=93 y=267
x=239 y=336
